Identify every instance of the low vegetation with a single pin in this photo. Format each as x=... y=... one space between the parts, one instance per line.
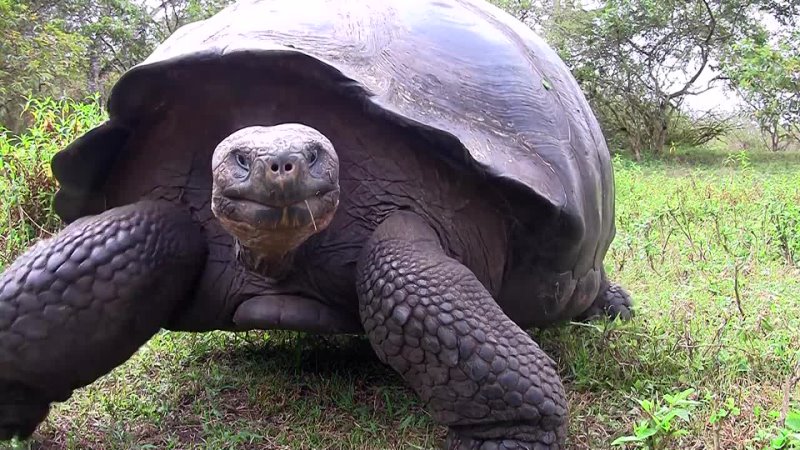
x=708 y=241
x=26 y=184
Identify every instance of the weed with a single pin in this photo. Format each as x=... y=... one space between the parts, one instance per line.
x=661 y=425
x=26 y=183
x=784 y=437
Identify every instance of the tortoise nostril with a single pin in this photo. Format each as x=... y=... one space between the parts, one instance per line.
x=285 y=164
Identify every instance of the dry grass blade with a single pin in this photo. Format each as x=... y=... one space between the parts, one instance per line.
x=791 y=382
x=313 y=222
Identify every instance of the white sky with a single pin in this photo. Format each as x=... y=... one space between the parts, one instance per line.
x=718 y=99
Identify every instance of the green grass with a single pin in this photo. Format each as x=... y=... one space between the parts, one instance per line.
x=708 y=242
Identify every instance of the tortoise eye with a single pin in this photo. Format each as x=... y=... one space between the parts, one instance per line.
x=313 y=152
x=243 y=161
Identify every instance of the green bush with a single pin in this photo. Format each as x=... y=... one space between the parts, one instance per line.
x=26 y=182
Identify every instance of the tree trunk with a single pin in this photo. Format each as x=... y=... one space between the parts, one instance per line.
x=93 y=82
x=660 y=127
x=636 y=146
x=773 y=133
x=775 y=137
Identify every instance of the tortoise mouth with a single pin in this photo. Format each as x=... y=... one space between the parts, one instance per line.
x=313 y=212
x=277 y=194
x=274 y=231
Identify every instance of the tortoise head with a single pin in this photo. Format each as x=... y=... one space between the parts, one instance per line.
x=275 y=186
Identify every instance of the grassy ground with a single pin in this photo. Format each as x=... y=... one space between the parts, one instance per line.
x=709 y=244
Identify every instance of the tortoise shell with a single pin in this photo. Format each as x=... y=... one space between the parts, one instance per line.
x=500 y=104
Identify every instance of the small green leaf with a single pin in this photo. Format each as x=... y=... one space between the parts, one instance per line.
x=778 y=442
x=626 y=439
x=683 y=414
x=646 y=433
x=793 y=421
x=546 y=84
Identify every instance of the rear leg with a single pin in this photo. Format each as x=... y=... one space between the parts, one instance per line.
x=613 y=301
x=75 y=306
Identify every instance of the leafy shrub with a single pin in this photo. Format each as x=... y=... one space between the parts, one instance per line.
x=690 y=131
x=661 y=424
x=26 y=182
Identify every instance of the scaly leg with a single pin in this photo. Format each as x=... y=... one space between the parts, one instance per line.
x=613 y=301
x=430 y=318
x=78 y=304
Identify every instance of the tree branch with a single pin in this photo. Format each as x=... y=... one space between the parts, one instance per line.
x=704 y=51
x=121 y=66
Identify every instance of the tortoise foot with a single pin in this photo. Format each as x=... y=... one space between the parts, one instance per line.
x=614 y=302
x=21 y=411
x=457 y=442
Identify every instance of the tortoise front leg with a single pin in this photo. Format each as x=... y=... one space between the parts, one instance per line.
x=430 y=318
x=77 y=305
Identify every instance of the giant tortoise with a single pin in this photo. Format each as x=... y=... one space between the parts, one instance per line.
x=425 y=172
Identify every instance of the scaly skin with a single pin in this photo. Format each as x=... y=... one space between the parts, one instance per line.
x=613 y=302
x=77 y=305
x=430 y=318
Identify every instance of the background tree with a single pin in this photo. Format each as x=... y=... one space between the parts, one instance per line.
x=37 y=56
x=766 y=74
x=639 y=61
x=77 y=48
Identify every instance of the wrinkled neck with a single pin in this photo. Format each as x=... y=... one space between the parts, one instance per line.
x=275 y=265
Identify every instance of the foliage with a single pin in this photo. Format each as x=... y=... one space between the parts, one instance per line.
x=766 y=73
x=78 y=48
x=26 y=184
x=522 y=10
x=122 y=33
x=639 y=61
x=694 y=131
x=785 y=437
x=661 y=424
x=724 y=412
x=37 y=56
